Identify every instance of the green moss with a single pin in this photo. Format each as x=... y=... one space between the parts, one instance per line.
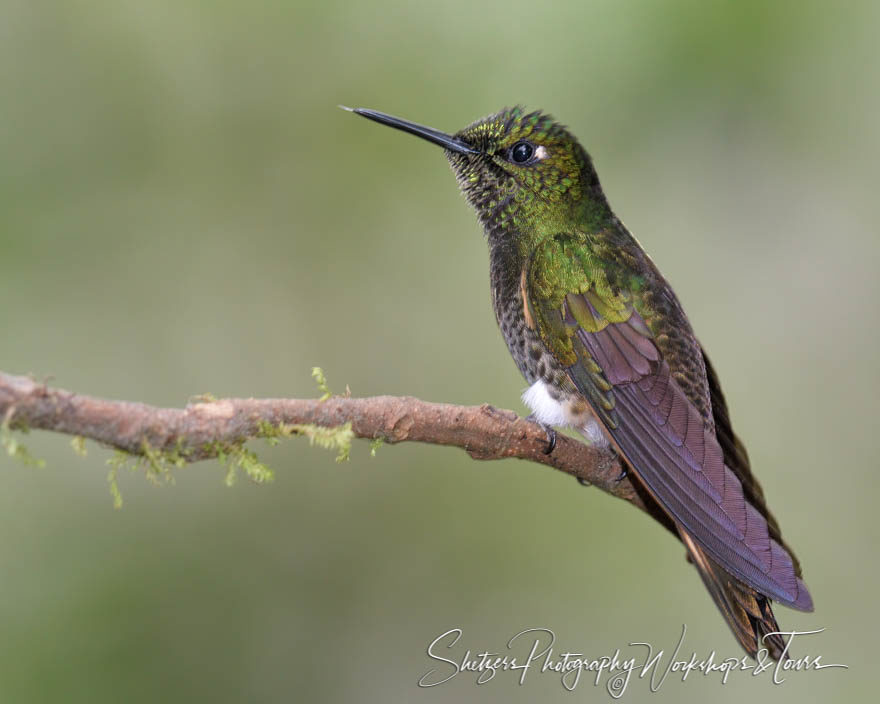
x=78 y=443
x=321 y=380
x=14 y=447
x=337 y=438
x=231 y=470
x=235 y=456
x=247 y=461
x=158 y=464
x=272 y=434
x=119 y=460
x=203 y=398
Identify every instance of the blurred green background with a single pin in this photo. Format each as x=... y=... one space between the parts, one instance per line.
x=183 y=209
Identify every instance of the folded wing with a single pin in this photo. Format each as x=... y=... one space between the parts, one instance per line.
x=671 y=446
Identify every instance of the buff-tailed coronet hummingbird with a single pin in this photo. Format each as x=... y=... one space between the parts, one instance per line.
x=607 y=349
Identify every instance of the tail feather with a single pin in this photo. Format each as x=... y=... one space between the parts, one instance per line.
x=746 y=611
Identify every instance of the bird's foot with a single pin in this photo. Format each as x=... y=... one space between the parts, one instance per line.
x=624 y=473
x=551 y=433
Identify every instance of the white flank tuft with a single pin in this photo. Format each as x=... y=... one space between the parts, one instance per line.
x=547 y=410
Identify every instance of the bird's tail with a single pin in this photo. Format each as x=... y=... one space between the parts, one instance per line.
x=746 y=611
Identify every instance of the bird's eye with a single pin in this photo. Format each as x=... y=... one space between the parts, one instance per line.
x=521 y=152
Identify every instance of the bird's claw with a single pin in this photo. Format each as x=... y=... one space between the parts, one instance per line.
x=551 y=433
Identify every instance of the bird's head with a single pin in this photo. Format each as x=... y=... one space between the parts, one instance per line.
x=521 y=171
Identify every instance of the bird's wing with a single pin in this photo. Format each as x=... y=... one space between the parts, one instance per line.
x=613 y=358
x=736 y=457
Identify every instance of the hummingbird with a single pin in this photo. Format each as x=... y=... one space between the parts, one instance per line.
x=607 y=349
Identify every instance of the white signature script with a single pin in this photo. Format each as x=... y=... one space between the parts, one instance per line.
x=534 y=650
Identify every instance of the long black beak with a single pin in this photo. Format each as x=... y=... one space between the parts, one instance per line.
x=447 y=141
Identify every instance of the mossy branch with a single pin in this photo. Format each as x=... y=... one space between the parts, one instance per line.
x=160 y=438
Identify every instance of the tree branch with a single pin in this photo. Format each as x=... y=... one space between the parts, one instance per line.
x=203 y=428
